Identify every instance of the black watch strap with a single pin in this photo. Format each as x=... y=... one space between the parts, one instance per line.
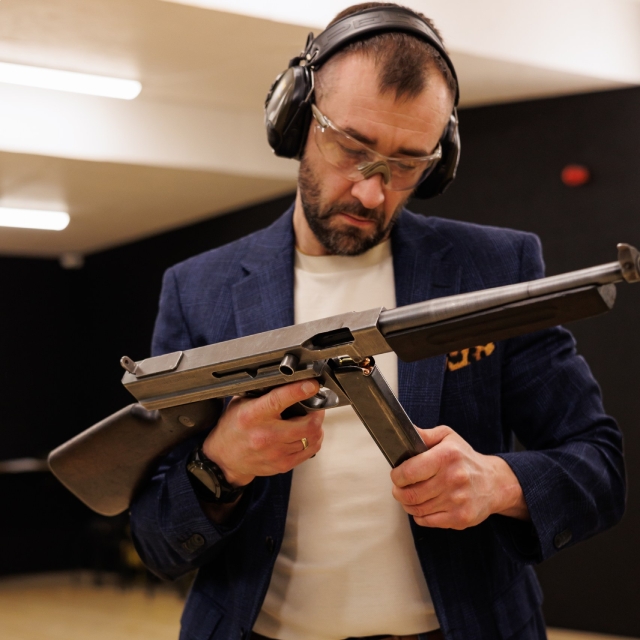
x=208 y=481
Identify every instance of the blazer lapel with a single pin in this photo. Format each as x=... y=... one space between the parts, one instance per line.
x=423 y=270
x=263 y=299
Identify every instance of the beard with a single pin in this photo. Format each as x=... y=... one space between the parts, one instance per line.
x=341 y=240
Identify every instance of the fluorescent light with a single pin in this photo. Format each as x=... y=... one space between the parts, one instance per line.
x=69 y=81
x=34 y=219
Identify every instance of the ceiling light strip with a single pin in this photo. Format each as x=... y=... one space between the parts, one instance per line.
x=34 y=219
x=69 y=81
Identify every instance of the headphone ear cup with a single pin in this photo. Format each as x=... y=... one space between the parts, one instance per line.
x=287 y=112
x=444 y=172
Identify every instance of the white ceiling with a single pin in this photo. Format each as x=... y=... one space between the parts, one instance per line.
x=192 y=144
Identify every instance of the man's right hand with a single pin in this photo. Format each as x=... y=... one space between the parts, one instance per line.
x=251 y=438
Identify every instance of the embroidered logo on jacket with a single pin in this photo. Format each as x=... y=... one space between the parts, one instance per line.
x=463 y=358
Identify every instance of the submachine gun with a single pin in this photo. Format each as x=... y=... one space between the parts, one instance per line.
x=181 y=393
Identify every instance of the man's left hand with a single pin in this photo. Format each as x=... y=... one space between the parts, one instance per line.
x=452 y=486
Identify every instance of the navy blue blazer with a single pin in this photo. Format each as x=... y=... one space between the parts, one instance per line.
x=535 y=387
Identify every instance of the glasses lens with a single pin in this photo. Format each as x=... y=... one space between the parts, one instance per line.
x=342 y=152
x=351 y=158
x=406 y=174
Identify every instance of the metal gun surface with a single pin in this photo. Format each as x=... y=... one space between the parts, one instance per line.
x=181 y=393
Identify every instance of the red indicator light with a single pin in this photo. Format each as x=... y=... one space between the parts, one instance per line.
x=575 y=175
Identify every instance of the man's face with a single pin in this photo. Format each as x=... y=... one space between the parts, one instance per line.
x=334 y=215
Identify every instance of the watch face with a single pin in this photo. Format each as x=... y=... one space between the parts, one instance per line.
x=208 y=480
x=205 y=477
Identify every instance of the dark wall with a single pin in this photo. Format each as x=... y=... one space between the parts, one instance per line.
x=62 y=332
x=39 y=324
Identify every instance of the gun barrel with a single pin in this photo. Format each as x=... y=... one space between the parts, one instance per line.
x=439 y=310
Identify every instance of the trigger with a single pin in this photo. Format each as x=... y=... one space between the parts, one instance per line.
x=324 y=399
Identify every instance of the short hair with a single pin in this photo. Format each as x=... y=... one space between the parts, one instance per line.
x=403 y=60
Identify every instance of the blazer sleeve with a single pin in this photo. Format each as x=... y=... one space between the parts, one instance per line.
x=169 y=528
x=572 y=470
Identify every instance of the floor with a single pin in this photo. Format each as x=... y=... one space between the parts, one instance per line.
x=70 y=606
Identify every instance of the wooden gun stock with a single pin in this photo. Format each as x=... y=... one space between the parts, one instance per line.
x=104 y=465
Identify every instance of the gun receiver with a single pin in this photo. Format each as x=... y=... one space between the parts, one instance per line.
x=180 y=394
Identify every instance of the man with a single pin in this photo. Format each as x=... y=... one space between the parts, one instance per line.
x=328 y=552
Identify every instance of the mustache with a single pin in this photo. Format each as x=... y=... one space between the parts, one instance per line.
x=354 y=208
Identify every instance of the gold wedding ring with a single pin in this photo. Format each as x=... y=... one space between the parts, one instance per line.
x=305 y=443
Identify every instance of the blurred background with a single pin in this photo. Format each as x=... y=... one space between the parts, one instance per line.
x=154 y=172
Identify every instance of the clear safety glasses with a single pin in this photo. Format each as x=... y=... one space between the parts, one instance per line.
x=355 y=161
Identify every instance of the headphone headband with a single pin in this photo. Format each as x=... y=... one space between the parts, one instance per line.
x=371 y=21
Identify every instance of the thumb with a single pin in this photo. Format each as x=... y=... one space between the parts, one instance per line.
x=431 y=437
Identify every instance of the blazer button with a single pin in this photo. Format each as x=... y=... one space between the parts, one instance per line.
x=270 y=544
x=193 y=543
x=562 y=538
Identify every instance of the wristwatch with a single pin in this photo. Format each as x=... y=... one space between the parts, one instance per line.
x=208 y=481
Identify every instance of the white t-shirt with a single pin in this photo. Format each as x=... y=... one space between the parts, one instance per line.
x=348 y=565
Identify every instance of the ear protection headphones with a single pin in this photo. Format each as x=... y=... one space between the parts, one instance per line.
x=288 y=103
